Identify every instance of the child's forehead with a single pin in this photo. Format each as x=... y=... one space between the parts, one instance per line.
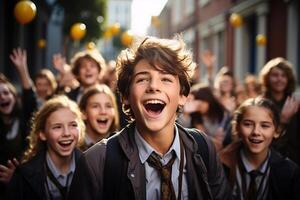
x=145 y=64
x=257 y=111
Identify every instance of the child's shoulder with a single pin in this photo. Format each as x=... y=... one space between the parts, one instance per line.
x=283 y=164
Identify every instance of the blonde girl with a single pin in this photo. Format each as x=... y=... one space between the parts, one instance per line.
x=49 y=162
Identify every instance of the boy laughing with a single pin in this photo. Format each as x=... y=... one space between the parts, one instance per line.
x=153 y=157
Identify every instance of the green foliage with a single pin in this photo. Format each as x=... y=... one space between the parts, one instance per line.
x=87 y=12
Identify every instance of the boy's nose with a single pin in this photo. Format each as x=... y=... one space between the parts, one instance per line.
x=154 y=85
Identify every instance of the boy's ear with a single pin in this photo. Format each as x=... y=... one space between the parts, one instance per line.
x=182 y=100
x=42 y=136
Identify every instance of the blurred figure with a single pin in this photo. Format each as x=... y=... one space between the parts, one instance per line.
x=249 y=89
x=44 y=83
x=13 y=126
x=278 y=82
x=252 y=86
x=110 y=75
x=88 y=68
x=66 y=79
x=225 y=88
x=208 y=114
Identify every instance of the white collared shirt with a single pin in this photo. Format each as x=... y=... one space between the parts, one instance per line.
x=152 y=176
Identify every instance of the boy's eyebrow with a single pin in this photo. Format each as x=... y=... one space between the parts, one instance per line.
x=140 y=73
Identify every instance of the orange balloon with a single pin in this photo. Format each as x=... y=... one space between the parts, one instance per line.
x=235 y=20
x=25 y=11
x=126 y=38
x=261 y=40
x=78 y=31
x=41 y=43
x=115 y=29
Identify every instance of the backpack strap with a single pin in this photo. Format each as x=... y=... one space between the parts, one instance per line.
x=202 y=143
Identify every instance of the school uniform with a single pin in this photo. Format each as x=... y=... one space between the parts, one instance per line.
x=31 y=179
x=279 y=176
x=94 y=178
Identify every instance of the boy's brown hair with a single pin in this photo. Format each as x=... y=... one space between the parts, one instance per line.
x=168 y=55
x=285 y=66
x=93 y=55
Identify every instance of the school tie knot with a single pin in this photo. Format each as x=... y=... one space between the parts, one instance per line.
x=165 y=172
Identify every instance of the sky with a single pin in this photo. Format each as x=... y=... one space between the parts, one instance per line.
x=142 y=10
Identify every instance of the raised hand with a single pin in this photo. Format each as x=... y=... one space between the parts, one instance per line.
x=6 y=172
x=290 y=107
x=59 y=63
x=19 y=59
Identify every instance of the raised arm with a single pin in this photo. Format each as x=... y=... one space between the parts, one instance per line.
x=19 y=59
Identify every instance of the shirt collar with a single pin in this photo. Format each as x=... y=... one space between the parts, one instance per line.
x=145 y=149
x=262 y=168
x=55 y=171
x=88 y=141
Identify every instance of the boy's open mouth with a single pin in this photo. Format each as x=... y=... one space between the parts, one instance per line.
x=255 y=141
x=102 y=122
x=154 y=106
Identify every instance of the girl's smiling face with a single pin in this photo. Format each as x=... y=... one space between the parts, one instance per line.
x=100 y=113
x=7 y=100
x=61 y=133
x=257 y=130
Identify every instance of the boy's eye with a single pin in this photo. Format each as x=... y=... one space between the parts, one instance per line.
x=142 y=79
x=167 y=80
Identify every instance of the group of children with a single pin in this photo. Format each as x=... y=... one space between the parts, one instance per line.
x=154 y=85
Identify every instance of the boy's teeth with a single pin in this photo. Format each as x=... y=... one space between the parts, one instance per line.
x=154 y=101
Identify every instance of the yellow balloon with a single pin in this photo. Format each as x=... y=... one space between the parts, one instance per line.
x=115 y=29
x=126 y=38
x=41 y=43
x=235 y=20
x=261 y=40
x=25 y=11
x=90 y=46
x=107 y=34
x=78 y=31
